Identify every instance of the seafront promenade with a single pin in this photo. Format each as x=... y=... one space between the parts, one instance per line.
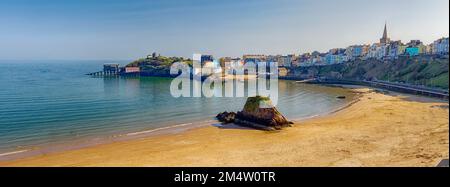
x=393 y=86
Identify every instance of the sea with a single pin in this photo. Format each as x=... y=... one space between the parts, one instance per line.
x=53 y=102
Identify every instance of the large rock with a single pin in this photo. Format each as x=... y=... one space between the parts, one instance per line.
x=226 y=117
x=258 y=113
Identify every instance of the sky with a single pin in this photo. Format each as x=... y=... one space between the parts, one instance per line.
x=120 y=29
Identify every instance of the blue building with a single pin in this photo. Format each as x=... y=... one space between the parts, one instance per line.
x=412 y=51
x=357 y=51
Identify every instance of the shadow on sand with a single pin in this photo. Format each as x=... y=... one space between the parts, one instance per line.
x=231 y=126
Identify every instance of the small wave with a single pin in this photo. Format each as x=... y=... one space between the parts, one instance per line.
x=313 y=116
x=13 y=152
x=305 y=118
x=157 y=129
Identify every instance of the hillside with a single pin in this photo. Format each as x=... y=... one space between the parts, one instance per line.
x=424 y=70
x=157 y=65
x=432 y=72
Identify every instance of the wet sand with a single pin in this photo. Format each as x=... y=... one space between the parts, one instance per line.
x=376 y=130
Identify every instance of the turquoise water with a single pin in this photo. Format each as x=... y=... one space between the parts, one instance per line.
x=46 y=102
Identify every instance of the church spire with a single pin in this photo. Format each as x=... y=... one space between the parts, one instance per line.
x=385 y=38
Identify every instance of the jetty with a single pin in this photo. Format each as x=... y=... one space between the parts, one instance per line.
x=114 y=70
x=108 y=70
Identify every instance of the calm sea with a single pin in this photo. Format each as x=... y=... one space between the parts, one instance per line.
x=45 y=102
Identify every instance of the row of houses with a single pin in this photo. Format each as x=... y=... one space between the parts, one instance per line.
x=385 y=49
x=381 y=51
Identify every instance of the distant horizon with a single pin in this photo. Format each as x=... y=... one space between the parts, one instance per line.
x=118 y=31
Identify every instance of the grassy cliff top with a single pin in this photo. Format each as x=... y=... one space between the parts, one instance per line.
x=432 y=72
x=158 y=61
x=254 y=103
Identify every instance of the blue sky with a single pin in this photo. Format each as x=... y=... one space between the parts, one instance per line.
x=113 y=29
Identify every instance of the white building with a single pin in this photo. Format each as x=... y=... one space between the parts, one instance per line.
x=440 y=46
x=377 y=51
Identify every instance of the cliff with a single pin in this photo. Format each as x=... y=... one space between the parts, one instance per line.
x=157 y=66
x=421 y=70
x=428 y=71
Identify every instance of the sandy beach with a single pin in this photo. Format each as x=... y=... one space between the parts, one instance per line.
x=375 y=130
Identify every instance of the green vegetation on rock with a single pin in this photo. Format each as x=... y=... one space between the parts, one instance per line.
x=254 y=103
x=160 y=62
x=157 y=65
x=428 y=71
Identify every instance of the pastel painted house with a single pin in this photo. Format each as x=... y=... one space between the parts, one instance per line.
x=412 y=51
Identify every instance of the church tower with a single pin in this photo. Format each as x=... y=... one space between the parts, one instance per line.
x=385 y=39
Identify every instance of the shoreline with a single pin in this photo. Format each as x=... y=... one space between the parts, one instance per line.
x=45 y=159
x=69 y=145
x=75 y=144
x=50 y=148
